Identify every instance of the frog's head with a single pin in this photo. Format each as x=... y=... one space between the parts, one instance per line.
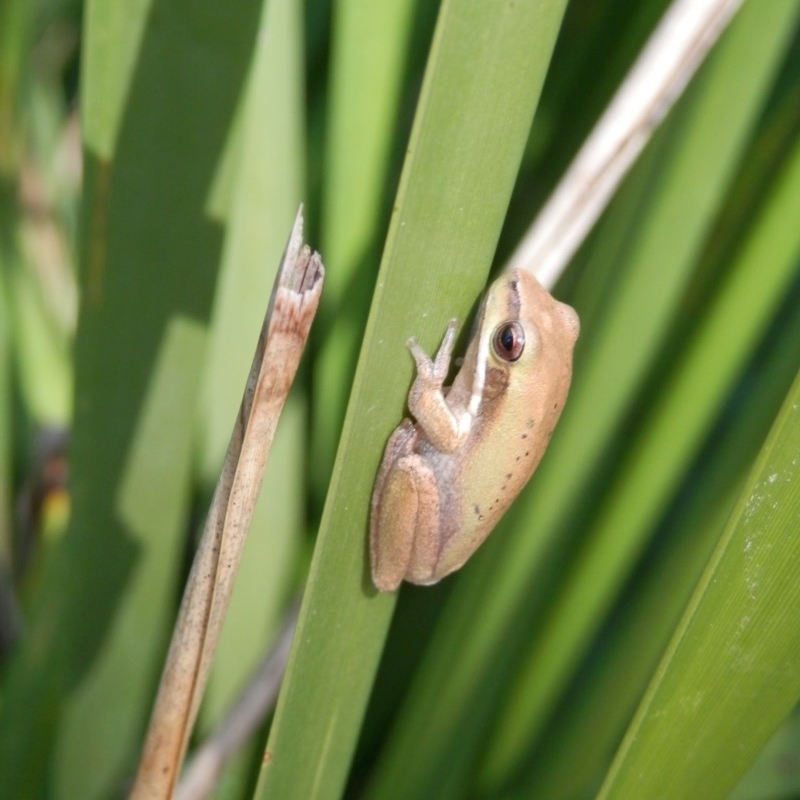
x=525 y=342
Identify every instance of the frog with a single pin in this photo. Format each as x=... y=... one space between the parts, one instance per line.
x=448 y=476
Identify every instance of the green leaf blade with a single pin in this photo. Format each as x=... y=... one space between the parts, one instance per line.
x=439 y=248
x=731 y=673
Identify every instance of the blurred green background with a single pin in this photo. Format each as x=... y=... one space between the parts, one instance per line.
x=630 y=630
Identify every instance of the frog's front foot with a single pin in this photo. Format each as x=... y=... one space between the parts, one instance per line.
x=433 y=373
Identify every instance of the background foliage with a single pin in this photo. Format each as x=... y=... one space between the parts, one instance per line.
x=630 y=629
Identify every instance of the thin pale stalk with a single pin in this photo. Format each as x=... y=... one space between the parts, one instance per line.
x=671 y=56
x=203 y=770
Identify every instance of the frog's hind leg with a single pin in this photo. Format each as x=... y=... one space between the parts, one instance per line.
x=404 y=524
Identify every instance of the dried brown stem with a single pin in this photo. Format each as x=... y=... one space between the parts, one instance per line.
x=291 y=310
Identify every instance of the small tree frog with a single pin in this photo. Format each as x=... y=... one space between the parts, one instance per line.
x=446 y=479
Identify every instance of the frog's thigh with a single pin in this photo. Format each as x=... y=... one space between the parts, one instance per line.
x=408 y=511
x=401 y=443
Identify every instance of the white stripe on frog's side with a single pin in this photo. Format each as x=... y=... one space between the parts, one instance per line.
x=479 y=379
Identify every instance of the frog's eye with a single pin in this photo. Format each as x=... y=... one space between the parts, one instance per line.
x=509 y=341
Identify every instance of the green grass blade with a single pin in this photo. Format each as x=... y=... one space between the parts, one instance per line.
x=157 y=109
x=458 y=176
x=11 y=622
x=768 y=776
x=98 y=728
x=45 y=370
x=369 y=51
x=731 y=673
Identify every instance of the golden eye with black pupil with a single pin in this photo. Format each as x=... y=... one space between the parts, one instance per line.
x=509 y=341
